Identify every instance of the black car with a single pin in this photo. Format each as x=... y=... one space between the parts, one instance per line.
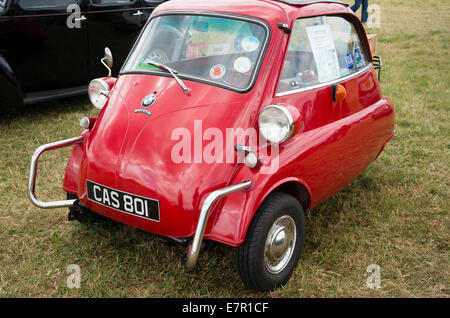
x=51 y=48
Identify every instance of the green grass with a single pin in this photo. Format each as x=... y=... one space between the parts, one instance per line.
x=394 y=215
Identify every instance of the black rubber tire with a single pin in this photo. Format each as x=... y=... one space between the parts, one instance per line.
x=250 y=255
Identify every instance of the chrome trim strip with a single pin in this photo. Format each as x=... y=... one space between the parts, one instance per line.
x=338 y=80
x=33 y=171
x=194 y=247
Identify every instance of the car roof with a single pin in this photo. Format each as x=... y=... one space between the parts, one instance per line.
x=263 y=9
x=268 y=10
x=307 y=2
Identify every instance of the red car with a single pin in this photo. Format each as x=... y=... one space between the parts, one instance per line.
x=228 y=122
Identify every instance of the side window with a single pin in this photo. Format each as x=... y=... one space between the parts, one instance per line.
x=2 y=6
x=44 y=4
x=321 y=49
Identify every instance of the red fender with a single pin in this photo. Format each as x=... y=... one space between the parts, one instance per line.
x=70 y=183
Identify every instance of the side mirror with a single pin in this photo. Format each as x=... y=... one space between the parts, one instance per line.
x=108 y=57
x=107 y=60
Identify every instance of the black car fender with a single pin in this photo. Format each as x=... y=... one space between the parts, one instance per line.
x=10 y=91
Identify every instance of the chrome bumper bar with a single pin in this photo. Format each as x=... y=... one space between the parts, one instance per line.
x=33 y=170
x=194 y=247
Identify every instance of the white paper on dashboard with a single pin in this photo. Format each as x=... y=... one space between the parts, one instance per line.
x=324 y=52
x=218 y=49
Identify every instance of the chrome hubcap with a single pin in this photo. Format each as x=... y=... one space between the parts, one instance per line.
x=280 y=244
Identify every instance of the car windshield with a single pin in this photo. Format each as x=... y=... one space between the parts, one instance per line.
x=221 y=50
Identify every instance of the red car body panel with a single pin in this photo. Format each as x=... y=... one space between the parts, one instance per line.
x=333 y=142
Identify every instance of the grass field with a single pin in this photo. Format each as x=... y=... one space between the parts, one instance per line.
x=395 y=215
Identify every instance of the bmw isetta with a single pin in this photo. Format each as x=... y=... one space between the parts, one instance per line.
x=228 y=122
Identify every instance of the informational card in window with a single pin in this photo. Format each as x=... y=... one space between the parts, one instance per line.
x=218 y=49
x=324 y=52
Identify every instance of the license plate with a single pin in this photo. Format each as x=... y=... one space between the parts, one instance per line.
x=122 y=201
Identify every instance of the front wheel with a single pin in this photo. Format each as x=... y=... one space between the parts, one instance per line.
x=273 y=244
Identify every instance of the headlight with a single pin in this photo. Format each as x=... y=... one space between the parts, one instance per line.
x=98 y=92
x=276 y=124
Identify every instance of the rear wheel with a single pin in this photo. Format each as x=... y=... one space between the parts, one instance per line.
x=273 y=244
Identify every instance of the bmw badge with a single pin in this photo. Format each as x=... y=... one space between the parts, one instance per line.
x=149 y=100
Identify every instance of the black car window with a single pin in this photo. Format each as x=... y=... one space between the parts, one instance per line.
x=2 y=6
x=43 y=4
x=119 y=2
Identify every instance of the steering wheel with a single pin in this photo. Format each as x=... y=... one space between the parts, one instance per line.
x=168 y=41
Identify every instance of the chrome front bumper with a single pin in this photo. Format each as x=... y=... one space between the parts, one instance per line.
x=194 y=246
x=33 y=171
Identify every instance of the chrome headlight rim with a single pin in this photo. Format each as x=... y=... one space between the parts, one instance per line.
x=290 y=123
x=105 y=89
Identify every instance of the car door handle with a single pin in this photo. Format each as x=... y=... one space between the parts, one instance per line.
x=82 y=18
x=139 y=12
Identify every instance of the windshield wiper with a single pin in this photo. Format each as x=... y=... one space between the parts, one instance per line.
x=174 y=74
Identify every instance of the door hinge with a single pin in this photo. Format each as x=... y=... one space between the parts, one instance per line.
x=285 y=27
